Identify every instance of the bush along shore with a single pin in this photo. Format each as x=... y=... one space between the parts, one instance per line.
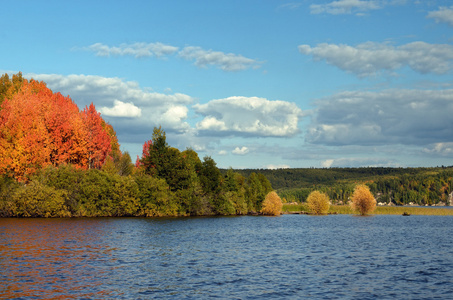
x=163 y=182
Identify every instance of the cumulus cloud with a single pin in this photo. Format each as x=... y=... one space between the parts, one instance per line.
x=443 y=15
x=224 y=61
x=345 y=7
x=241 y=151
x=370 y=58
x=121 y=109
x=248 y=116
x=136 y=49
x=389 y=117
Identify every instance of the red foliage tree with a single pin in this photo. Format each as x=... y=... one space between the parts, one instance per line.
x=24 y=142
x=145 y=153
x=66 y=130
x=99 y=142
x=40 y=128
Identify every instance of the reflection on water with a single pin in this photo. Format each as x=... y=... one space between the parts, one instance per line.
x=291 y=257
x=52 y=258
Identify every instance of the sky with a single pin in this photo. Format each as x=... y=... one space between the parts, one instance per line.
x=251 y=83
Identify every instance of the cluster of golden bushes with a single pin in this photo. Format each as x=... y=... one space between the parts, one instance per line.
x=362 y=201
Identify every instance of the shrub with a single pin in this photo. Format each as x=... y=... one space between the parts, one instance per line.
x=318 y=203
x=362 y=200
x=272 y=205
x=37 y=200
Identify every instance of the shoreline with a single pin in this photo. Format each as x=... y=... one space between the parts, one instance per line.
x=380 y=210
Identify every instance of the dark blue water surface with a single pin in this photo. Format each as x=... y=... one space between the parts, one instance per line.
x=288 y=257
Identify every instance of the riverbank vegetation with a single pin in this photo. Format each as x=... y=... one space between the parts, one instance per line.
x=318 y=203
x=362 y=201
x=272 y=205
x=188 y=186
x=380 y=210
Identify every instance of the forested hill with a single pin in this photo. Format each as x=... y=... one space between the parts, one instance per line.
x=420 y=186
x=309 y=177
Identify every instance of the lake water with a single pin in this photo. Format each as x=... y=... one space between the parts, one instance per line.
x=287 y=257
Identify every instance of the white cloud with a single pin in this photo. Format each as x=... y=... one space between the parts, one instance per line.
x=211 y=123
x=275 y=167
x=224 y=61
x=389 y=117
x=174 y=115
x=358 y=162
x=248 y=115
x=370 y=58
x=443 y=149
x=443 y=15
x=137 y=49
x=344 y=7
x=203 y=58
x=241 y=151
x=121 y=109
x=291 y=5
x=327 y=163
x=222 y=152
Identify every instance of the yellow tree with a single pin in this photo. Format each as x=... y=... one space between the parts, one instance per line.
x=363 y=200
x=318 y=203
x=272 y=205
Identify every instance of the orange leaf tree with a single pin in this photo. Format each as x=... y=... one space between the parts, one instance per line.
x=40 y=128
x=99 y=142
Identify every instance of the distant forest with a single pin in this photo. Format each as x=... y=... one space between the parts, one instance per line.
x=400 y=186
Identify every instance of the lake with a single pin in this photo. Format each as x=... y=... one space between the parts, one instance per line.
x=247 y=257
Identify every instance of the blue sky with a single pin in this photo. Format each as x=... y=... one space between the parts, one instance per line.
x=253 y=84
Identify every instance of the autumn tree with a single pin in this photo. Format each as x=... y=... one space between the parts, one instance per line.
x=272 y=205
x=65 y=129
x=40 y=128
x=24 y=139
x=362 y=200
x=318 y=203
x=98 y=140
x=9 y=87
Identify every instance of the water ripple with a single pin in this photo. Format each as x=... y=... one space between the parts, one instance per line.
x=290 y=257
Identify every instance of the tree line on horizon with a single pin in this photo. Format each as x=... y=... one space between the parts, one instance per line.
x=399 y=186
x=58 y=161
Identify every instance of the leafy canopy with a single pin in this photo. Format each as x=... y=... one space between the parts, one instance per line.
x=362 y=200
x=40 y=128
x=318 y=203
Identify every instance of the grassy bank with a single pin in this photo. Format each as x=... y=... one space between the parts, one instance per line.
x=380 y=210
